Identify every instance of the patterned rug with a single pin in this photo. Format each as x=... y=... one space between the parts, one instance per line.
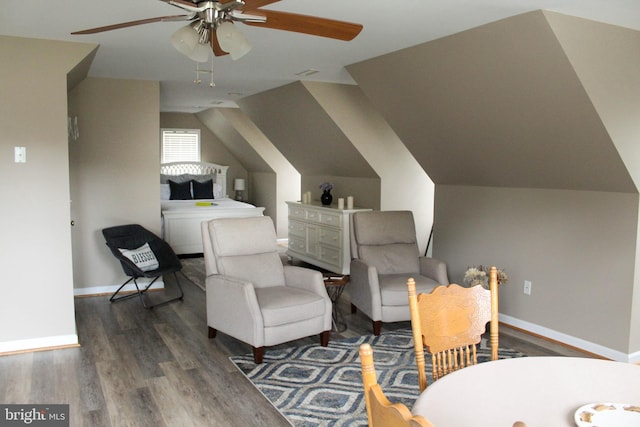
x=322 y=386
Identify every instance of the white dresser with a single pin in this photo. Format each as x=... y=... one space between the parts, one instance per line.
x=320 y=235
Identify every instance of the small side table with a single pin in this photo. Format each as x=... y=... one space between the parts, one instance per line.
x=335 y=283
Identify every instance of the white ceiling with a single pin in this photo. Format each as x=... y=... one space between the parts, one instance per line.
x=145 y=52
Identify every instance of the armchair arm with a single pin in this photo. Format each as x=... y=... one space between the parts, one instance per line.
x=435 y=269
x=232 y=308
x=304 y=278
x=364 y=289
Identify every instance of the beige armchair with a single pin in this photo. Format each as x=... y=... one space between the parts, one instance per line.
x=251 y=295
x=384 y=254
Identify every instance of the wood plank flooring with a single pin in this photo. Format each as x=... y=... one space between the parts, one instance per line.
x=138 y=367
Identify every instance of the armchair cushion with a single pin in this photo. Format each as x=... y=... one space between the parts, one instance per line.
x=392 y=258
x=248 y=250
x=393 y=287
x=284 y=304
x=386 y=240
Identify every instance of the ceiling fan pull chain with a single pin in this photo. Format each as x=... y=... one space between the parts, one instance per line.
x=197 y=80
x=212 y=84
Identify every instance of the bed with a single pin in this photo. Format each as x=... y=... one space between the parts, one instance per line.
x=193 y=192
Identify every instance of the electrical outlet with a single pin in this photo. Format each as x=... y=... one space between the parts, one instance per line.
x=527 y=287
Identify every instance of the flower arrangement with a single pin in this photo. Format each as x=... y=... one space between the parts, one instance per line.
x=326 y=186
x=480 y=276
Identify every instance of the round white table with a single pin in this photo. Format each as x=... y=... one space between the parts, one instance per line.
x=540 y=391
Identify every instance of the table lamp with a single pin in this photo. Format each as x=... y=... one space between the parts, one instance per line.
x=238 y=185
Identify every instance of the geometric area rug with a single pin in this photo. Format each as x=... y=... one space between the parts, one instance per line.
x=322 y=386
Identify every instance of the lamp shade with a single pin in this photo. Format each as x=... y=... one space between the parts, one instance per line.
x=200 y=53
x=232 y=40
x=238 y=184
x=186 y=41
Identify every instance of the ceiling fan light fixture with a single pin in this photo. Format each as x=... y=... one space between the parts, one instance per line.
x=232 y=40
x=185 y=39
x=200 y=53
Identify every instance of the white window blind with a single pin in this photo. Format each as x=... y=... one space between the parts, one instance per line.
x=180 y=145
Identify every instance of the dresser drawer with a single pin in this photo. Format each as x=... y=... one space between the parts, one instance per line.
x=330 y=237
x=297 y=212
x=297 y=244
x=313 y=215
x=330 y=255
x=297 y=228
x=331 y=219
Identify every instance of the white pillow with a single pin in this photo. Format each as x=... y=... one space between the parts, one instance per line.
x=165 y=192
x=143 y=257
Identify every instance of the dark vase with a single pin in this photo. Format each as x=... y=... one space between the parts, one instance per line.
x=326 y=198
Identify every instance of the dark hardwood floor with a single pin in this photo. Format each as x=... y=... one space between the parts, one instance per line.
x=138 y=367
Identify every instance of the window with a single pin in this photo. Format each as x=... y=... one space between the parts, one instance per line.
x=180 y=145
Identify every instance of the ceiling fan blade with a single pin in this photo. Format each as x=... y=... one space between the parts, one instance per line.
x=134 y=23
x=312 y=25
x=184 y=4
x=254 y=4
x=215 y=45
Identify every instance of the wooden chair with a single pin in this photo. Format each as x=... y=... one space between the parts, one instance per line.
x=449 y=322
x=380 y=411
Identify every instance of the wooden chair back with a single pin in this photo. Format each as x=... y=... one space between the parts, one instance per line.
x=380 y=411
x=449 y=322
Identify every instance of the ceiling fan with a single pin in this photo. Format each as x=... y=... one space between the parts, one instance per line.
x=212 y=26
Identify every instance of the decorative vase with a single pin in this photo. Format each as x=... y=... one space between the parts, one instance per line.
x=326 y=198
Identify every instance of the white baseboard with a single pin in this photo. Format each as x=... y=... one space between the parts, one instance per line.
x=35 y=344
x=109 y=289
x=283 y=241
x=571 y=340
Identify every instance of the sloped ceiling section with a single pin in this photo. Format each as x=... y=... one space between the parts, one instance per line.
x=215 y=120
x=303 y=132
x=607 y=61
x=500 y=106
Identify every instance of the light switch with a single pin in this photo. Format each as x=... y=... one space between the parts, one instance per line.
x=21 y=154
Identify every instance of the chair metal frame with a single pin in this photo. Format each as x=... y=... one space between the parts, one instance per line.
x=169 y=263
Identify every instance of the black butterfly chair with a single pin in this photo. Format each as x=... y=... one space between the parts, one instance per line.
x=131 y=237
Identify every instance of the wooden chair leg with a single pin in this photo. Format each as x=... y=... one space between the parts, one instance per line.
x=324 y=338
x=354 y=309
x=258 y=355
x=212 y=332
x=377 y=327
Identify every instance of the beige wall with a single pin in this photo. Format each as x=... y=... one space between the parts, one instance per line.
x=576 y=247
x=612 y=82
x=114 y=171
x=36 y=308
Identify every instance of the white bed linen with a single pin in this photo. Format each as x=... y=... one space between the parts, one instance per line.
x=224 y=203
x=182 y=219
